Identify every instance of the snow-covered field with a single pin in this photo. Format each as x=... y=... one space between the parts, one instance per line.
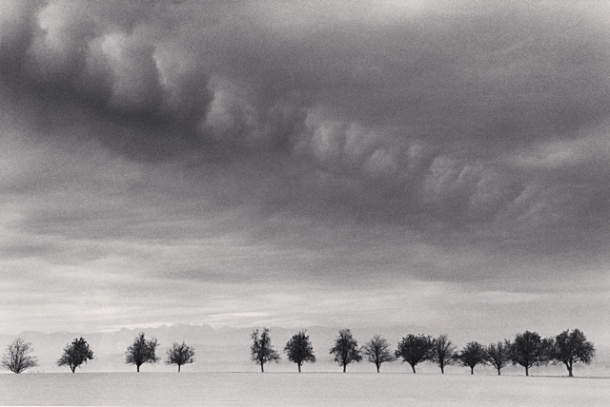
x=305 y=389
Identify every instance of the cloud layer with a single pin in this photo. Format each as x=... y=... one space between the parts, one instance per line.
x=325 y=144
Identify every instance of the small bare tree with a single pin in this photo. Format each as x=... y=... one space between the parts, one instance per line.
x=142 y=351
x=75 y=354
x=442 y=352
x=345 y=349
x=377 y=351
x=473 y=354
x=180 y=354
x=17 y=356
x=498 y=354
x=299 y=349
x=261 y=350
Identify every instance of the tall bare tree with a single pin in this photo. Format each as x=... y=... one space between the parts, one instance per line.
x=414 y=349
x=17 y=356
x=75 y=354
x=498 y=354
x=572 y=347
x=377 y=351
x=346 y=349
x=142 y=351
x=529 y=349
x=473 y=354
x=442 y=352
x=180 y=354
x=261 y=350
x=299 y=349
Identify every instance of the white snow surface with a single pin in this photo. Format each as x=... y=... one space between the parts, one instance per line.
x=305 y=389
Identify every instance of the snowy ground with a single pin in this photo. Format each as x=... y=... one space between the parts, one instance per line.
x=306 y=389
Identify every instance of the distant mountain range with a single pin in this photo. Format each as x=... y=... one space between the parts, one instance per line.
x=228 y=350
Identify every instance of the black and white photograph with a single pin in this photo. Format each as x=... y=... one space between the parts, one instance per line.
x=305 y=203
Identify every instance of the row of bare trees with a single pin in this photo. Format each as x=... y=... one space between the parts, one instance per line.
x=528 y=349
x=18 y=355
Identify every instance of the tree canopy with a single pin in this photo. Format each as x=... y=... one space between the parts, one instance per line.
x=414 y=349
x=346 y=349
x=498 y=354
x=299 y=349
x=473 y=354
x=572 y=347
x=75 y=354
x=142 y=351
x=17 y=356
x=377 y=351
x=180 y=354
x=442 y=352
x=261 y=350
x=529 y=349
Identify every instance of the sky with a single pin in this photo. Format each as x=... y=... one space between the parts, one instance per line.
x=437 y=165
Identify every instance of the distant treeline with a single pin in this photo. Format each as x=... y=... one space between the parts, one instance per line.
x=528 y=349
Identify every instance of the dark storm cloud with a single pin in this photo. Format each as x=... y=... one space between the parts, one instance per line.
x=462 y=125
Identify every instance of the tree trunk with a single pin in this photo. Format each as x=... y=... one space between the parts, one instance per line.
x=138 y=368
x=299 y=365
x=73 y=368
x=471 y=370
x=178 y=368
x=377 y=368
x=499 y=372
x=442 y=370
x=527 y=372
x=344 y=367
x=413 y=367
x=262 y=368
x=569 y=366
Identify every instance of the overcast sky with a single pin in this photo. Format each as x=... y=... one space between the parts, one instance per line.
x=442 y=165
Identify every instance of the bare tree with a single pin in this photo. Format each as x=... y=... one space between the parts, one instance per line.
x=572 y=347
x=414 y=349
x=377 y=351
x=473 y=354
x=17 y=356
x=142 y=351
x=345 y=349
x=262 y=350
x=442 y=352
x=299 y=349
x=529 y=349
x=75 y=354
x=498 y=354
x=180 y=354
